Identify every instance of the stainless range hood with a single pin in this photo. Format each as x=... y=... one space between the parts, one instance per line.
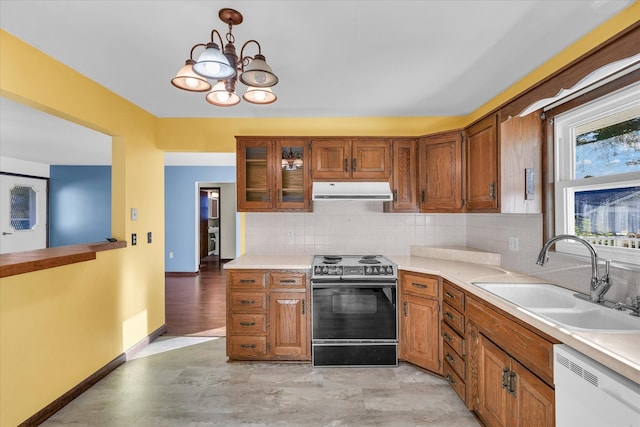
x=350 y=190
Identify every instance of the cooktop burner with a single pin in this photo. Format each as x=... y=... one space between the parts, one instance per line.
x=352 y=267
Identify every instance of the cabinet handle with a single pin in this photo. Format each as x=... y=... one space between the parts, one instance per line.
x=449 y=316
x=247 y=346
x=395 y=195
x=246 y=281
x=505 y=378
x=450 y=358
x=247 y=323
x=247 y=301
x=269 y=196
x=404 y=309
x=512 y=384
x=492 y=191
x=346 y=165
x=303 y=307
x=419 y=285
x=424 y=196
x=447 y=337
x=450 y=379
x=449 y=295
x=279 y=196
x=287 y=281
x=355 y=164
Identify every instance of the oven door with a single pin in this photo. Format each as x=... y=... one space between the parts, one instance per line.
x=354 y=311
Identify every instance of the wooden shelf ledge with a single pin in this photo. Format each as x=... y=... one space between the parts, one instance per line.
x=25 y=262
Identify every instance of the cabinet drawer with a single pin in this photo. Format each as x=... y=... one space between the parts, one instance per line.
x=451 y=337
x=247 y=347
x=453 y=318
x=420 y=285
x=288 y=280
x=453 y=296
x=454 y=360
x=248 y=302
x=248 y=324
x=455 y=381
x=246 y=280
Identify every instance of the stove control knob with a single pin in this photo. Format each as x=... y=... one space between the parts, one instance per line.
x=325 y=270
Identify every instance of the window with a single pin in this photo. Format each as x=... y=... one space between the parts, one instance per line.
x=597 y=170
x=23 y=208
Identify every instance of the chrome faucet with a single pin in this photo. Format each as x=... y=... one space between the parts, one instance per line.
x=599 y=285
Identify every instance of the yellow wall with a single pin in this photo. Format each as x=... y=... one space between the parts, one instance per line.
x=58 y=326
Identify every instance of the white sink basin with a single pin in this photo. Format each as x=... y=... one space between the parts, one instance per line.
x=561 y=307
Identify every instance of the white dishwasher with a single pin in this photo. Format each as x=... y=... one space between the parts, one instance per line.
x=589 y=394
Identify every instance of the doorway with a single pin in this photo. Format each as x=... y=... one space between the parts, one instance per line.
x=210 y=225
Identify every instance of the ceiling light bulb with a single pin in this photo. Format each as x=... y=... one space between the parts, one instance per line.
x=191 y=82
x=259 y=95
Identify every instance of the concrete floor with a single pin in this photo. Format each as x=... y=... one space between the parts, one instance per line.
x=186 y=381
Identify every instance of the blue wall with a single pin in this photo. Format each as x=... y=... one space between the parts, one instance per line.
x=179 y=204
x=79 y=204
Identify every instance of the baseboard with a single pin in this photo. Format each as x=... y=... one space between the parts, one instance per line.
x=46 y=412
x=180 y=274
x=145 y=341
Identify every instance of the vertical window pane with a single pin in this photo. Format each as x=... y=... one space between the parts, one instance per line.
x=23 y=208
x=608 y=150
x=609 y=217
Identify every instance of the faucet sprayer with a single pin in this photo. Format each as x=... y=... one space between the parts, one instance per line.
x=599 y=285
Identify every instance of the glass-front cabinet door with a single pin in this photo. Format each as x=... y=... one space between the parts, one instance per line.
x=254 y=175
x=292 y=175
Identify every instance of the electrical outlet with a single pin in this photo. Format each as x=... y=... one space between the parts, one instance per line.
x=170 y=254
x=134 y=239
x=134 y=214
x=514 y=244
x=149 y=237
x=290 y=236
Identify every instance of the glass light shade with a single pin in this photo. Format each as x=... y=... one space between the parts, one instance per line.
x=221 y=97
x=258 y=73
x=259 y=95
x=212 y=64
x=186 y=79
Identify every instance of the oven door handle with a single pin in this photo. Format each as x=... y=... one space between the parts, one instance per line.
x=354 y=284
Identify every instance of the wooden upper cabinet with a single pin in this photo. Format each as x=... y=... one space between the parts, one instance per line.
x=403 y=177
x=255 y=174
x=440 y=173
x=483 y=184
x=370 y=159
x=264 y=183
x=351 y=159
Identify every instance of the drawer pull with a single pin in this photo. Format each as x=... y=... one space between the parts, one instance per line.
x=247 y=301
x=247 y=323
x=449 y=316
x=449 y=295
x=287 y=281
x=450 y=379
x=246 y=281
x=450 y=358
x=419 y=285
x=247 y=346
x=447 y=337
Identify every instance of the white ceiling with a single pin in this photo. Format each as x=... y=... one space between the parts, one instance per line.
x=343 y=58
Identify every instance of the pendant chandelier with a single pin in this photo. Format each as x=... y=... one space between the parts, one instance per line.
x=225 y=69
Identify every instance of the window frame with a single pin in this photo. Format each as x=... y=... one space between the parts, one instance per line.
x=562 y=163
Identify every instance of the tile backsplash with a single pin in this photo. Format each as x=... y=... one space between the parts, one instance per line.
x=346 y=227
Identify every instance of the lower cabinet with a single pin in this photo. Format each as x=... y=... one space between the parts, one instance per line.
x=510 y=369
x=268 y=315
x=420 y=341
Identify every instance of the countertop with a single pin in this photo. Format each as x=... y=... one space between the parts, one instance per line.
x=618 y=351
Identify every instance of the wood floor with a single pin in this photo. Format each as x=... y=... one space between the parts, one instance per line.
x=196 y=305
